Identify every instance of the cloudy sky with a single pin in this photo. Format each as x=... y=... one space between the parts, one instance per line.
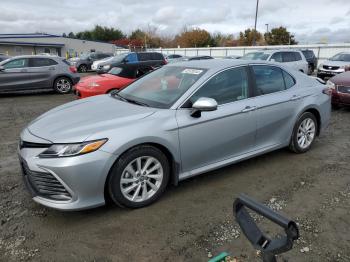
x=310 y=20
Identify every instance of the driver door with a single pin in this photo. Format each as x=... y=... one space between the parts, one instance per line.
x=224 y=133
x=15 y=75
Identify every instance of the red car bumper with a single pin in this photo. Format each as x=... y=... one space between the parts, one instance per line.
x=83 y=91
x=341 y=96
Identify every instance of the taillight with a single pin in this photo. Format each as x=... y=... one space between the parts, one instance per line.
x=327 y=91
x=73 y=69
x=165 y=62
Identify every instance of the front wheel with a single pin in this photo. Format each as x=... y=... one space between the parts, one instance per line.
x=304 y=133
x=62 y=85
x=139 y=177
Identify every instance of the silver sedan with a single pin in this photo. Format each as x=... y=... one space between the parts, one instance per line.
x=179 y=121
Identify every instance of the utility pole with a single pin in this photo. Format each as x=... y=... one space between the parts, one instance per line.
x=256 y=18
x=267 y=28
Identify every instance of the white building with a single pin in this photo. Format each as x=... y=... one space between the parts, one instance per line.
x=27 y=44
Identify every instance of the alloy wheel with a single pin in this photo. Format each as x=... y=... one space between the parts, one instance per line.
x=141 y=179
x=63 y=85
x=306 y=133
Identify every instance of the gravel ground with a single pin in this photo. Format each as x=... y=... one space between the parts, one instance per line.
x=191 y=222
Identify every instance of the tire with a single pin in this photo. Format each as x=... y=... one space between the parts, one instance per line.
x=300 y=134
x=335 y=106
x=82 y=68
x=63 y=85
x=137 y=183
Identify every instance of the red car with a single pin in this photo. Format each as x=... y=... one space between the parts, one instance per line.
x=116 y=79
x=340 y=85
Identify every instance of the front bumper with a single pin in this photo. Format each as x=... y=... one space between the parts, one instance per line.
x=339 y=98
x=323 y=73
x=81 y=179
x=83 y=92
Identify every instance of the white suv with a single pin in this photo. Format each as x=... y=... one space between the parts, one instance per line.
x=292 y=58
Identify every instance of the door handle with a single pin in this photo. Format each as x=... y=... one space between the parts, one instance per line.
x=248 y=109
x=295 y=97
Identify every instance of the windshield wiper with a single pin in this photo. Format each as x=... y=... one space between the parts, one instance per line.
x=129 y=100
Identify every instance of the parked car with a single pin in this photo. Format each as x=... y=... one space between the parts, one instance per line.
x=116 y=79
x=3 y=57
x=153 y=59
x=203 y=57
x=174 y=58
x=334 y=65
x=233 y=57
x=340 y=85
x=84 y=62
x=311 y=59
x=95 y=65
x=292 y=58
x=176 y=122
x=37 y=72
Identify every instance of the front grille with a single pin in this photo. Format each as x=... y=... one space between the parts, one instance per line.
x=25 y=144
x=330 y=67
x=45 y=184
x=344 y=89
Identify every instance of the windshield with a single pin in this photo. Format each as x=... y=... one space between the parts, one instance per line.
x=341 y=57
x=255 y=56
x=119 y=58
x=162 y=87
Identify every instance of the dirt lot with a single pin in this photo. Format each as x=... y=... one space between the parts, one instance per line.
x=191 y=221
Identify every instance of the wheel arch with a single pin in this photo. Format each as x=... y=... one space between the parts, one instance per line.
x=313 y=110
x=58 y=76
x=173 y=164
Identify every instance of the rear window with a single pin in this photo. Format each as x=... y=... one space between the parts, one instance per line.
x=288 y=56
x=308 y=53
x=297 y=56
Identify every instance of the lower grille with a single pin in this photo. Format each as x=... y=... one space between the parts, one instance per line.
x=331 y=67
x=344 y=89
x=45 y=184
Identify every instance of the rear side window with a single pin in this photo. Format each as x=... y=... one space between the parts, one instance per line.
x=157 y=56
x=277 y=57
x=144 y=56
x=40 y=62
x=17 y=63
x=288 y=80
x=288 y=57
x=297 y=56
x=132 y=58
x=268 y=79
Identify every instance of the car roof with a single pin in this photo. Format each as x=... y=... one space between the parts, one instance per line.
x=34 y=56
x=218 y=64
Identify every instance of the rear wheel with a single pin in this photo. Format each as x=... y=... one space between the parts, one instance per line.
x=62 y=85
x=304 y=133
x=139 y=177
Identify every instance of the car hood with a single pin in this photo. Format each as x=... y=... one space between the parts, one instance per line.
x=76 y=121
x=336 y=63
x=98 y=78
x=342 y=79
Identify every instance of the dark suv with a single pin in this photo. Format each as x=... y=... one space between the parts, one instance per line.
x=152 y=59
x=84 y=62
x=311 y=60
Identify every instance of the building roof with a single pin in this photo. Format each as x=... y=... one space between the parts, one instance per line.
x=32 y=35
x=30 y=44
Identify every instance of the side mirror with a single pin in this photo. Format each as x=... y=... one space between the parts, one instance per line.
x=203 y=104
x=2 y=68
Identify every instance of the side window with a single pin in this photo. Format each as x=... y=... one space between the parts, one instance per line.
x=157 y=56
x=39 y=62
x=288 y=80
x=144 y=56
x=228 y=86
x=132 y=58
x=268 y=79
x=297 y=56
x=142 y=70
x=288 y=57
x=94 y=56
x=17 y=63
x=277 y=57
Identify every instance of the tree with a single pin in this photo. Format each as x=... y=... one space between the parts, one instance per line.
x=219 y=39
x=100 y=33
x=246 y=37
x=280 y=36
x=71 y=35
x=194 y=38
x=64 y=35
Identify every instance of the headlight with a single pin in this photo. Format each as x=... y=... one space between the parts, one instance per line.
x=93 y=84
x=64 y=150
x=330 y=84
x=106 y=67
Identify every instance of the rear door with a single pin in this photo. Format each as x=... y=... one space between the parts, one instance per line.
x=15 y=75
x=42 y=72
x=278 y=102
x=218 y=135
